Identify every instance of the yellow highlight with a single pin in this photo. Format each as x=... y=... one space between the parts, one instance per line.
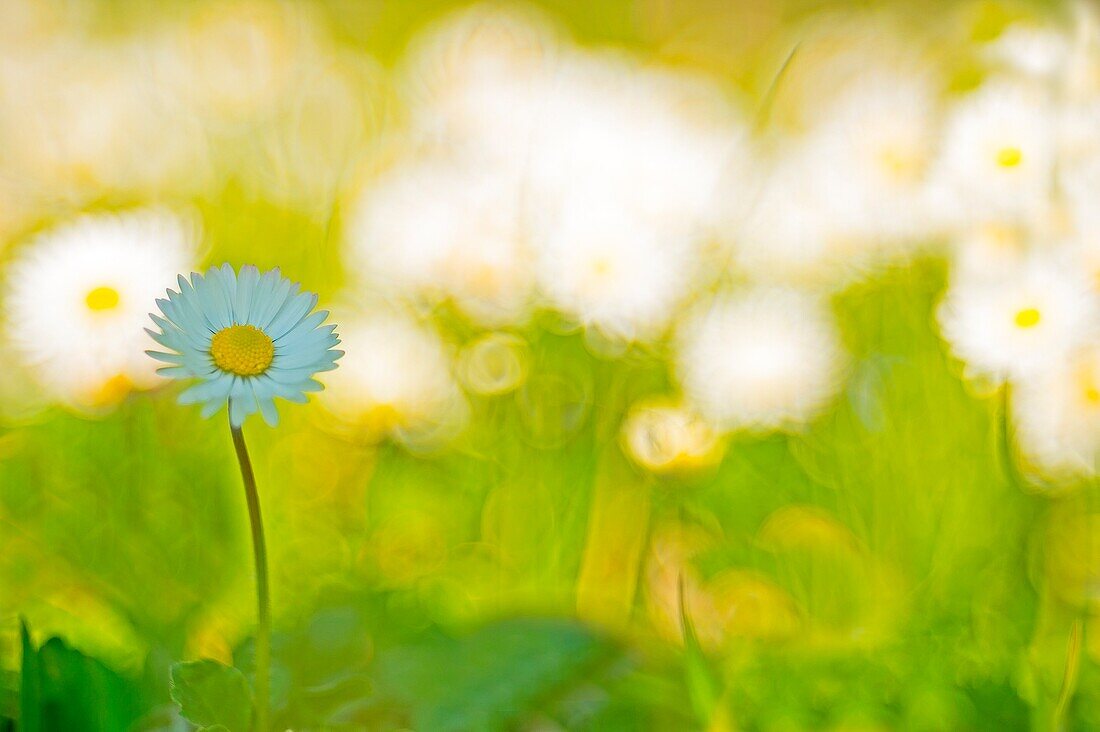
x=244 y=350
x=1027 y=318
x=901 y=165
x=102 y=298
x=1009 y=157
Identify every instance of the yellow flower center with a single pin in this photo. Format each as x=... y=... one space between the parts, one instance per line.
x=102 y=298
x=1009 y=157
x=244 y=350
x=901 y=165
x=1027 y=318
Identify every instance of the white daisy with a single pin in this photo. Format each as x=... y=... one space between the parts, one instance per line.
x=999 y=149
x=78 y=296
x=605 y=269
x=763 y=359
x=396 y=378
x=871 y=154
x=244 y=340
x=1019 y=324
x=1057 y=416
x=990 y=250
x=89 y=115
x=664 y=166
x=784 y=233
x=1039 y=51
x=439 y=230
x=235 y=60
x=475 y=81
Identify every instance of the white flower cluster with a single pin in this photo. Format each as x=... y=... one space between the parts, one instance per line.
x=644 y=205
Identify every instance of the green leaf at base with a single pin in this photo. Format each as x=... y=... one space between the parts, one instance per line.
x=212 y=695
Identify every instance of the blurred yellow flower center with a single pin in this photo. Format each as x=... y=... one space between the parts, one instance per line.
x=1027 y=318
x=102 y=298
x=900 y=164
x=1009 y=157
x=244 y=350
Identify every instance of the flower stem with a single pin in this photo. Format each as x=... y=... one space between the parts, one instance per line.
x=1069 y=680
x=263 y=597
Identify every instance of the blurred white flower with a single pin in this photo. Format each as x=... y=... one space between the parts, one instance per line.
x=663 y=166
x=82 y=116
x=307 y=153
x=607 y=270
x=475 y=81
x=999 y=150
x=850 y=191
x=437 y=230
x=1019 y=324
x=232 y=61
x=784 y=233
x=78 y=296
x=665 y=437
x=1057 y=416
x=871 y=156
x=760 y=360
x=990 y=250
x=1036 y=50
x=395 y=379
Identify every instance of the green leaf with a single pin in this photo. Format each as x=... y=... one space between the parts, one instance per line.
x=62 y=688
x=490 y=678
x=212 y=695
x=701 y=682
x=30 y=693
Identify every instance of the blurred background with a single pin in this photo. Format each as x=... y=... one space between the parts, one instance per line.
x=710 y=365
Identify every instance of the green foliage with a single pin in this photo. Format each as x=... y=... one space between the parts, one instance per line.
x=213 y=696
x=62 y=689
x=488 y=679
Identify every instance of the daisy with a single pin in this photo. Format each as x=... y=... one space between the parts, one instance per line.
x=396 y=379
x=1057 y=416
x=247 y=339
x=664 y=167
x=990 y=250
x=607 y=270
x=439 y=229
x=784 y=233
x=764 y=359
x=76 y=299
x=235 y=60
x=871 y=155
x=1035 y=50
x=1016 y=325
x=475 y=81
x=999 y=149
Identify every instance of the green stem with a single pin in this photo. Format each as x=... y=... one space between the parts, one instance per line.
x=1069 y=679
x=263 y=597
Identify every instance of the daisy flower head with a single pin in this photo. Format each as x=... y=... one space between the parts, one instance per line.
x=1019 y=324
x=75 y=300
x=246 y=338
x=871 y=157
x=765 y=359
x=1057 y=416
x=397 y=381
x=607 y=271
x=999 y=149
x=443 y=230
